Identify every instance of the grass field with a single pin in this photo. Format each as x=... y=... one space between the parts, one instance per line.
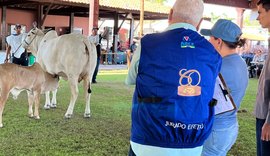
x=106 y=133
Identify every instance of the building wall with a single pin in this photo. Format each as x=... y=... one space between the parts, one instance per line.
x=62 y=22
x=13 y=17
x=27 y=18
x=22 y=17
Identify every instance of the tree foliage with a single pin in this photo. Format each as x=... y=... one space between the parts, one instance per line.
x=215 y=17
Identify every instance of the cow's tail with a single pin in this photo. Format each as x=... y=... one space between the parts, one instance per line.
x=92 y=59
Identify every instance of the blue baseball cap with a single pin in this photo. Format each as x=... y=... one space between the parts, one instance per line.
x=224 y=29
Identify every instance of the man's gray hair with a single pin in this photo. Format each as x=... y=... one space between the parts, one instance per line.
x=188 y=11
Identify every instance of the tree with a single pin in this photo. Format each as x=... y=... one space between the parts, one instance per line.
x=215 y=17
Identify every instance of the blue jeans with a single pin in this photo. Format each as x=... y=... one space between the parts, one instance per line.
x=263 y=147
x=218 y=145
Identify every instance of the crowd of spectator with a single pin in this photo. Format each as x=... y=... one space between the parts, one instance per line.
x=255 y=61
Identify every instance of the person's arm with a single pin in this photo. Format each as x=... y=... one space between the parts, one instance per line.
x=266 y=127
x=133 y=70
x=7 y=53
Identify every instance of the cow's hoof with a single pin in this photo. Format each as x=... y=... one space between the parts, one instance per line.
x=68 y=116
x=1 y=125
x=53 y=106
x=87 y=115
x=47 y=106
x=31 y=115
x=37 y=117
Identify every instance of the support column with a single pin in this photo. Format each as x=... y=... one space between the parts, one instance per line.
x=240 y=17
x=141 y=18
x=71 y=22
x=39 y=16
x=3 y=27
x=268 y=45
x=93 y=14
x=115 y=32
x=131 y=31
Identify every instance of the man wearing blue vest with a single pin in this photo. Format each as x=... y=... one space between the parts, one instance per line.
x=175 y=73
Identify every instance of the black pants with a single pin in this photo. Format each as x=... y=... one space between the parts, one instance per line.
x=23 y=60
x=97 y=65
x=131 y=153
x=263 y=147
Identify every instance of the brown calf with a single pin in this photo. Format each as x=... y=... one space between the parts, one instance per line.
x=15 y=78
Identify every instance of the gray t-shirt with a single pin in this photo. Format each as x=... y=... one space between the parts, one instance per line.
x=262 y=106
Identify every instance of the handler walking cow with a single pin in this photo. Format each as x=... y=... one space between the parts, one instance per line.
x=70 y=56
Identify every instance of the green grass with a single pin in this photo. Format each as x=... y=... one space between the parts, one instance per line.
x=246 y=141
x=106 y=133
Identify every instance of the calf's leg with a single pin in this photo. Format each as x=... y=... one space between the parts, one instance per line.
x=3 y=99
x=30 y=103
x=37 y=99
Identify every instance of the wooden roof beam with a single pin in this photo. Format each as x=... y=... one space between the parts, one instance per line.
x=11 y=2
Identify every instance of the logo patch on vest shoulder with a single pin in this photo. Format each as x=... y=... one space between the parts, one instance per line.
x=191 y=88
x=186 y=43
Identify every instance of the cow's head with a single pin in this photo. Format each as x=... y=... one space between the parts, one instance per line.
x=32 y=39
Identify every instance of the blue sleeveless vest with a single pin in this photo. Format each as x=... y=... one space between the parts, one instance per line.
x=174 y=86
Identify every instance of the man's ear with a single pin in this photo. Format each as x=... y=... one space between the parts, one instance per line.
x=219 y=41
x=170 y=16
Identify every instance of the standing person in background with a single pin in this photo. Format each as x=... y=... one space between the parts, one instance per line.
x=262 y=107
x=225 y=37
x=174 y=73
x=14 y=49
x=96 y=39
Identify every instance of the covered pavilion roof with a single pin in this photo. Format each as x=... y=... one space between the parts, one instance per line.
x=81 y=7
x=108 y=7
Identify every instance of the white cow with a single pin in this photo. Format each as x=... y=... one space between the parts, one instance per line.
x=15 y=78
x=70 y=56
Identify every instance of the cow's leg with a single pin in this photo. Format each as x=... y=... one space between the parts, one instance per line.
x=37 y=100
x=47 y=100
x=87 y=96
x=73 y=84
x=3 y=98
x=30 y=103
x=53 y=103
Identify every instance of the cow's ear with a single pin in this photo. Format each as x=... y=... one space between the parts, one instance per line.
x=34 y=24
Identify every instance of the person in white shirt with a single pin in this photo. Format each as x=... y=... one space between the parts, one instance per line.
x=14 y=48
x=96 y=39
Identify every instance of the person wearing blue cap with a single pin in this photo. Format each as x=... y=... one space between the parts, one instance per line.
x=262 y=107
x=225 y=37
x=174 y=72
